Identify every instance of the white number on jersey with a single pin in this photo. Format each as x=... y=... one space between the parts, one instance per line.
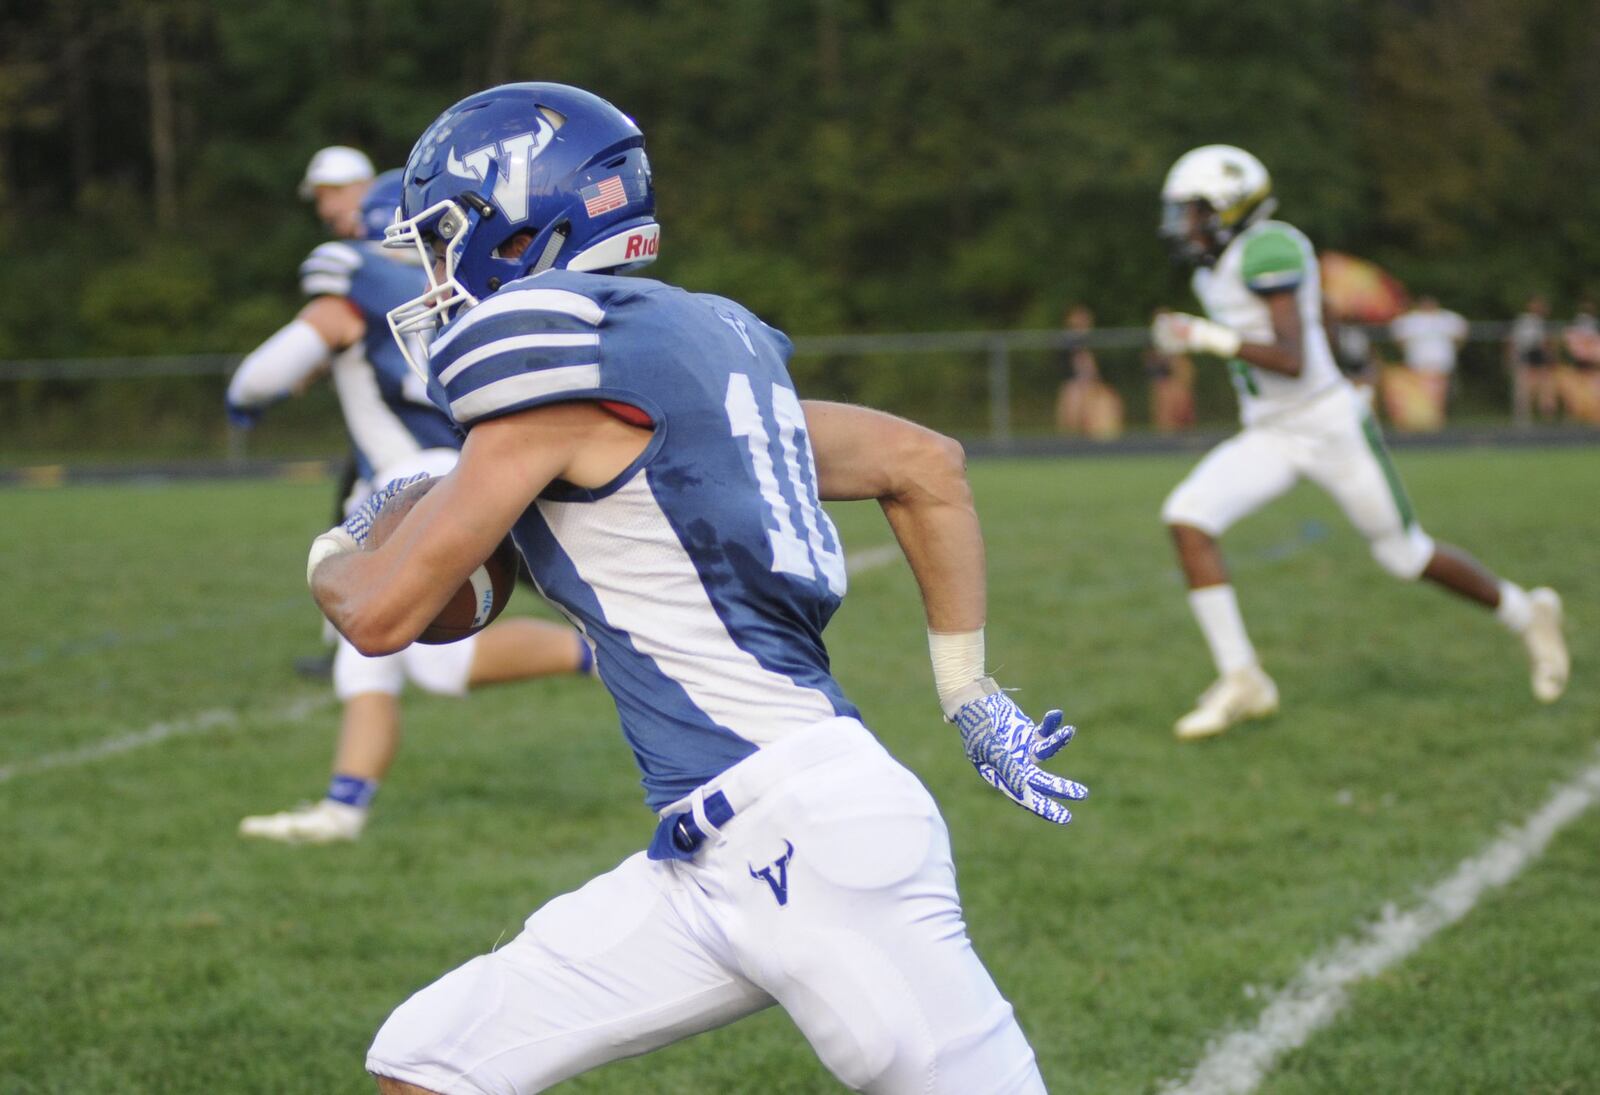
x=790 y=554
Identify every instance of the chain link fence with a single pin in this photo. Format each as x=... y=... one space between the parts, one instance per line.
x=997 y=389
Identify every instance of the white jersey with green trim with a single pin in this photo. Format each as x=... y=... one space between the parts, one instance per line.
x=1269 y=256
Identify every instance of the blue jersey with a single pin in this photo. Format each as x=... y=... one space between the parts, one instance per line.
x=386 y=406
x=703 y=574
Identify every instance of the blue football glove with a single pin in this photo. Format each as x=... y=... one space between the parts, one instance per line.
x=352 y=534
x=1006 y=747
x=242 y=417
x=359 y=523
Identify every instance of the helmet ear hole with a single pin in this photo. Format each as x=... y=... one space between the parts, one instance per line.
x=514 y=245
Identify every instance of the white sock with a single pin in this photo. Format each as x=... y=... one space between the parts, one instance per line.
x=1515 y=610
x=1217 y=611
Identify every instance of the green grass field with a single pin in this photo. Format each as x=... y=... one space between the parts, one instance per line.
x=145 y=948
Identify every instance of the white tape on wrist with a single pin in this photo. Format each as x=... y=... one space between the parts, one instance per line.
x=957 y=665
x=336 y=541
x=1216 y=339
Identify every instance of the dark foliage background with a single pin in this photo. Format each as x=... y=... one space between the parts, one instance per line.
x=840 y=165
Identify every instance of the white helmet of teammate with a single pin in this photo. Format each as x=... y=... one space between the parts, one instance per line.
x=1210 y=195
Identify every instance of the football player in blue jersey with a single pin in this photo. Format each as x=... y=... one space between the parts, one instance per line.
x=394 y=430
x=649 y=454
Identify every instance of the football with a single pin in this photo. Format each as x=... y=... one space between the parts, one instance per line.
x=481 y=597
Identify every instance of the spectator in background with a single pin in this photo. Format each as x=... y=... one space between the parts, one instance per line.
x=1585 y=322
x=1429 y=337
x=1171 y=379
x=1531 y=359
x=1085 y=404
x=1579 y=382
x=1352 y=352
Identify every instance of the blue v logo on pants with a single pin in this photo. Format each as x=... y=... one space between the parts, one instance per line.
x=777 y=875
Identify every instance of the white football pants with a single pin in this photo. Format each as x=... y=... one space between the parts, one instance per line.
x=831 y=893
x=1331 y=441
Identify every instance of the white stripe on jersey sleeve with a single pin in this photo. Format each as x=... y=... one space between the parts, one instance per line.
x=512 y=344
x=561 y=301
x=627 y=552
x=327 y=270
x=334 y=254
x=325 y=285
x=1281 y=279
x=523 y=387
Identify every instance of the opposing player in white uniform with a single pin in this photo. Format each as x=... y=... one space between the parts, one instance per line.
x=1257 y=279
x=648 y=451
x=394 y=430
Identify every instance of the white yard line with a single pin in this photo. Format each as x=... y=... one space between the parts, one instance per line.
x=1237 y=1062
x=203 y=723
x=872 y=558
x=860 y=562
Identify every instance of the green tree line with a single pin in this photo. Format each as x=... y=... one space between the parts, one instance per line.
x=840 y=165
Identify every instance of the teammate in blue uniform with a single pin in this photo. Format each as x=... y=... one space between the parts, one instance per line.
x=648 y=451
x=394 y=431
x=336 y=184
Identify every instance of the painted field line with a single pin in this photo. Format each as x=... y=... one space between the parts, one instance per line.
x=872 y=558
x=220 y=718
x=203 y=723
x=859 y=562
x=91 y=645
x=1236 y=1063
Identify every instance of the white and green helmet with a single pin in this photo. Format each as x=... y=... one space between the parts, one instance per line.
x=1210 y=195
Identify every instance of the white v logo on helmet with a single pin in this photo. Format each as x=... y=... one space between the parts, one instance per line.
x=454 y=165
x=513 y=158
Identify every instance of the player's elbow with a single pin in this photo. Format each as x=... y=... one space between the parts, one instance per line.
x=930 y=465
x=374 y=642
x=1291 y=355
x=376 y=631
x=946 y=457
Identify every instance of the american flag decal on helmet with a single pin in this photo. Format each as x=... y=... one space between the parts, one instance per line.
x=604 y=196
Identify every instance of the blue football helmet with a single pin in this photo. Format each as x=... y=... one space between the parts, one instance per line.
x=382 y=201
x=553 y=163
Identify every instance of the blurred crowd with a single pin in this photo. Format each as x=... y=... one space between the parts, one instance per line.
x=1407 y=365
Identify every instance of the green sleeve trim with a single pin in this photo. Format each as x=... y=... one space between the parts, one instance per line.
x=1272 y=260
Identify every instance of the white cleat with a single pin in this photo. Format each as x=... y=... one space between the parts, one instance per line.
x=312 y=823
x=1547 y=648
x=1242 y=694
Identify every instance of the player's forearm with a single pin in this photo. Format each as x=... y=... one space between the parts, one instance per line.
x=919 y=477
x=1286 y=353
x=382 y=596
x=1283 y=356
x=936 y=523
x=374 y=614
